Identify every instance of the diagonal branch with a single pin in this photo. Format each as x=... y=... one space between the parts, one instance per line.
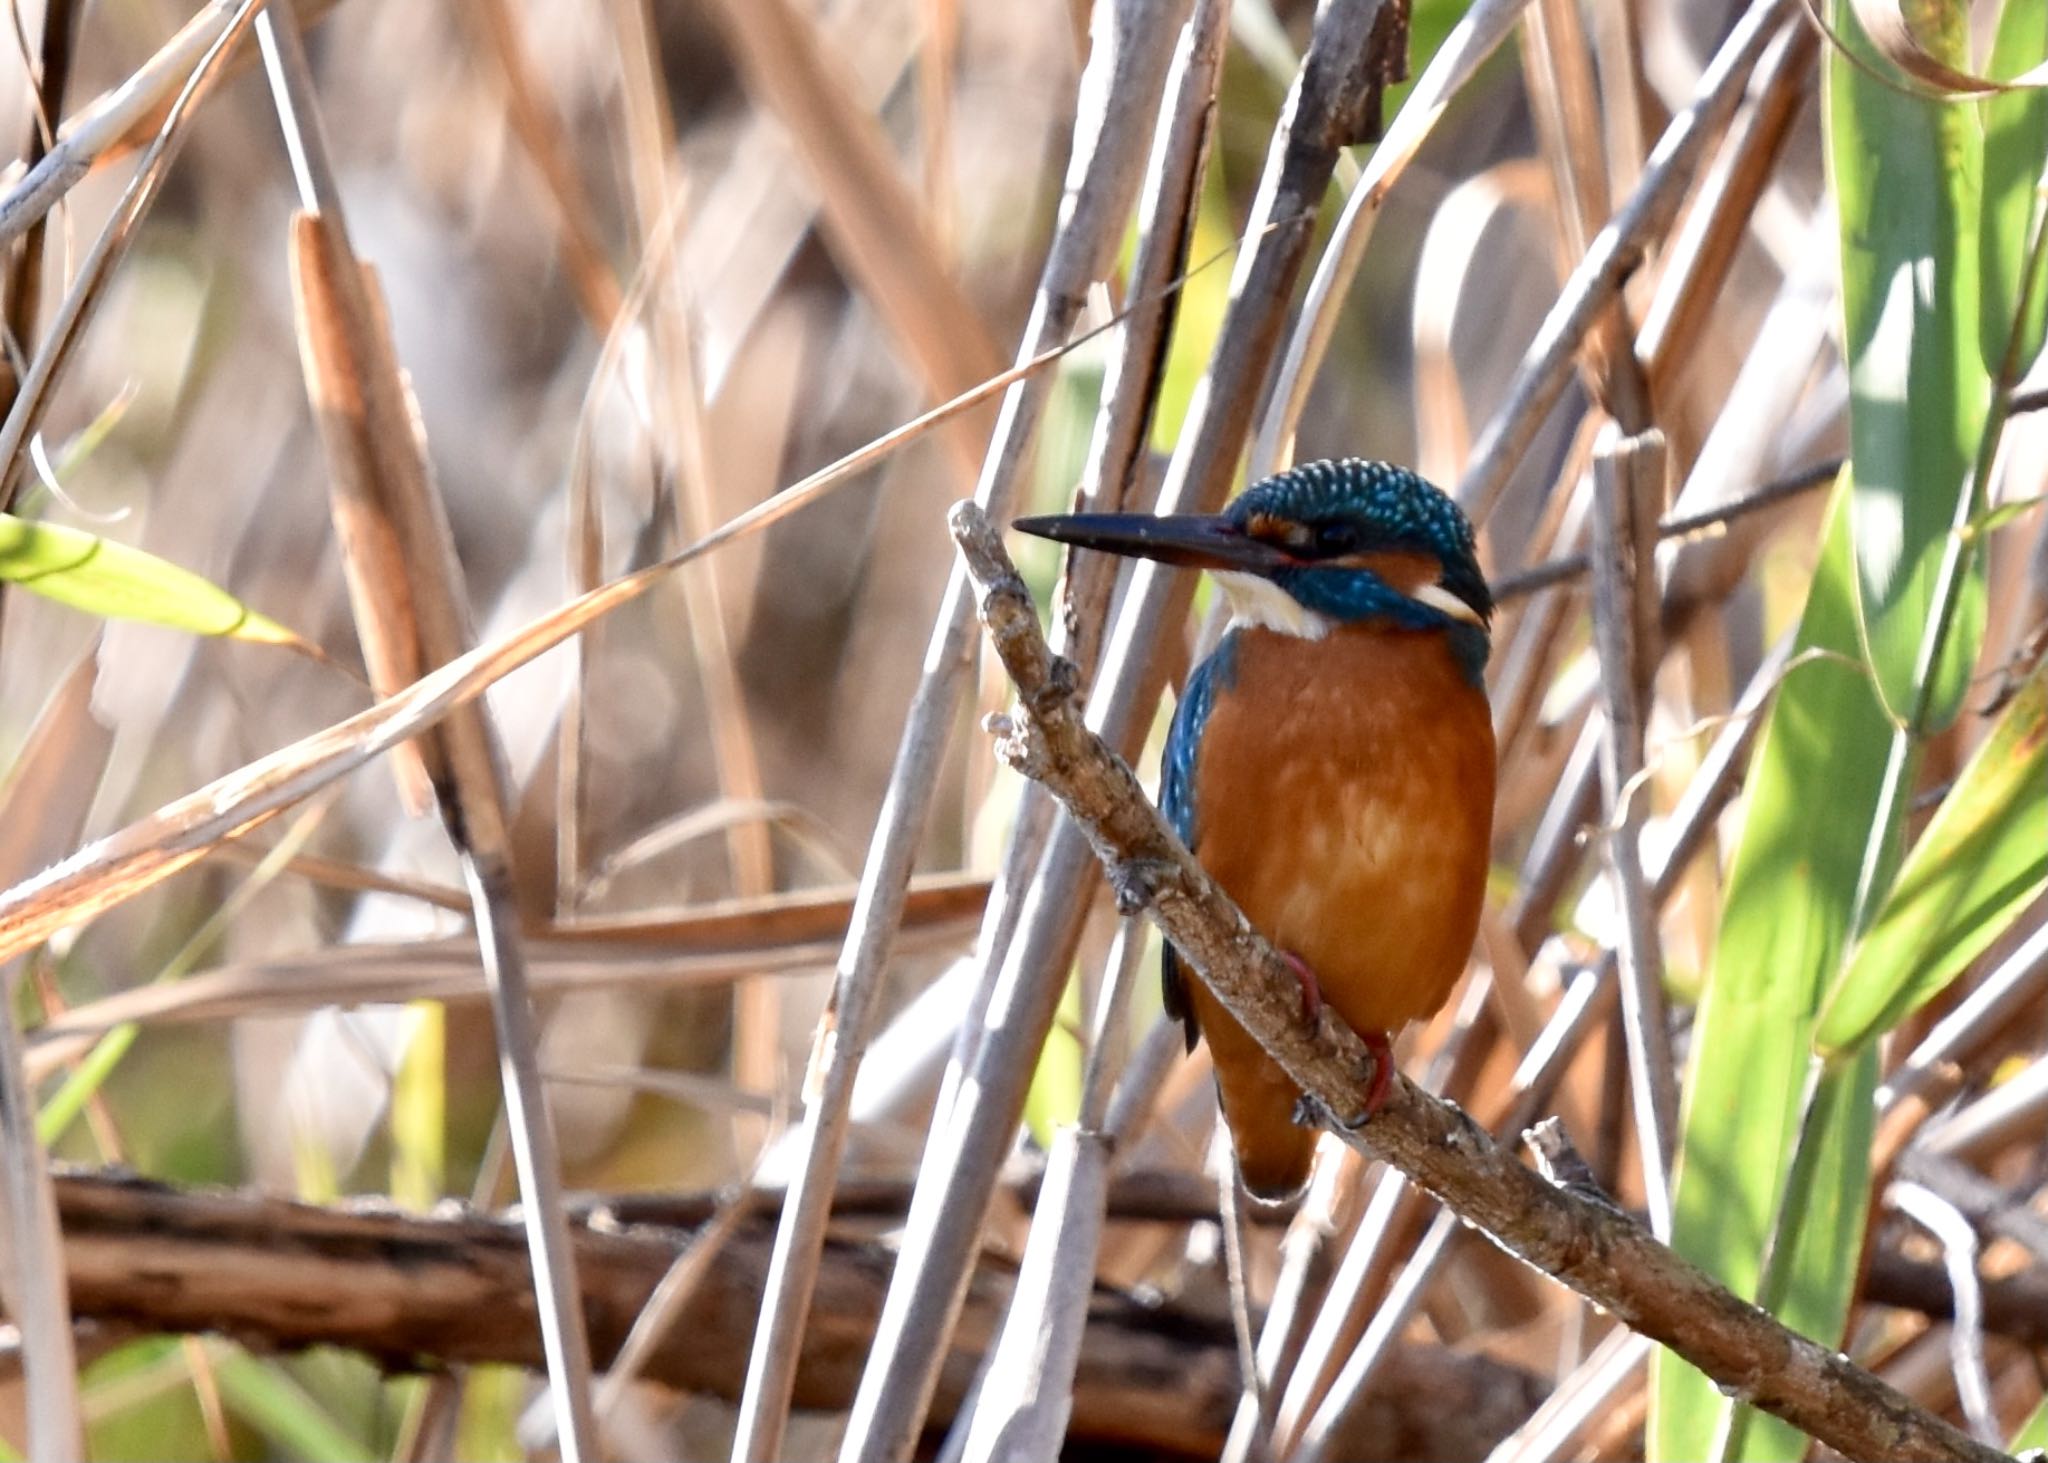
x=1582 y=1241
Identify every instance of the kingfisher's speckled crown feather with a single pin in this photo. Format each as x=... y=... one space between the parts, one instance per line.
x=1387 y=507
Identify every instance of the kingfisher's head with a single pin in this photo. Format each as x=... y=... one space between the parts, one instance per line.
x=1321 y=545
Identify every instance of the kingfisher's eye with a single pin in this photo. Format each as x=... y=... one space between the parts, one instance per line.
x=1332 y=539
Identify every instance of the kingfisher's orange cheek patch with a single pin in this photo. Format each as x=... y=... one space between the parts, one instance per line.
x=1269 y=528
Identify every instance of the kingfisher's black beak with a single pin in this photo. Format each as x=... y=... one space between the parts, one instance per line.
x=1192 y=540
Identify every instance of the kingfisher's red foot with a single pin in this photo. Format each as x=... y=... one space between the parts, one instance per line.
x=1382 y=1082
x=1311 y=990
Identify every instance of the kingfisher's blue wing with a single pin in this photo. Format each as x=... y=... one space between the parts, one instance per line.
x=1177 y=798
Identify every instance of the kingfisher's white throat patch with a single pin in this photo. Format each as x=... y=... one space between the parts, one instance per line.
x=1261 y=602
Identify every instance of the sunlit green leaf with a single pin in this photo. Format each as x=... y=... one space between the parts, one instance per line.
x=1774 y=1146
x=2033 y=1432
x=2007 y=512
x=1914 y=321
x=1791 y=894
x=487 y=1429
x=1981 y=861
x=1818 y=1248
x=419 y=1110
x=2015 y=143
x=1054 y=1098
x=117 y=582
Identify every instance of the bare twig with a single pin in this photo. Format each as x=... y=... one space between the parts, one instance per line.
x=1966 y=1335
x=1602 y=1254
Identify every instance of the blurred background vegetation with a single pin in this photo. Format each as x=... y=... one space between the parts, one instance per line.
x=603 y=233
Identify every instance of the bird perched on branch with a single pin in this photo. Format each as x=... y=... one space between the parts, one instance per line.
x=1331 y=762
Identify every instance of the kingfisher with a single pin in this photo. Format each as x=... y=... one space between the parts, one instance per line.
x=1330 y=763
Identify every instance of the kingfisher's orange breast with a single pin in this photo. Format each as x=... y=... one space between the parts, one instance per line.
x=1343 y=795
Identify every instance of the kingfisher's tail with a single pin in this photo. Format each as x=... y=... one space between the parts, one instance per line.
x=1273 y=1152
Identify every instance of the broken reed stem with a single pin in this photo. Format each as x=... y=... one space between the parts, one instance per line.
x=1598 y=1251
x=1628 y=488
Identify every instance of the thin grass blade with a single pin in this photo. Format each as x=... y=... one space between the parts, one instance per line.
x=1981 y=862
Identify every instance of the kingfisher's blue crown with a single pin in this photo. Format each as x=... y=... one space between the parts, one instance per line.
x=1337 y=510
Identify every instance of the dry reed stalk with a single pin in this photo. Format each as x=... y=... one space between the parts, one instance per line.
x=1477 y=35
x=1613 y=257
x=540 y=131
x=36 y=1292
x=39 y=1290
x=107 y=122
x=49 y=80
x=1115 y=462
x=682 y=450
x=1032 y=1387
x=1704 y=247
x=1324 y=114
x=195 y=80
x=447 y=970
x=149 y=850
x=412 y=596
x=1126 y=71
x=869 y=212
x=1379 y=1278
x=1576 y=1402
x=1628 y=487
x=1026 y=1393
